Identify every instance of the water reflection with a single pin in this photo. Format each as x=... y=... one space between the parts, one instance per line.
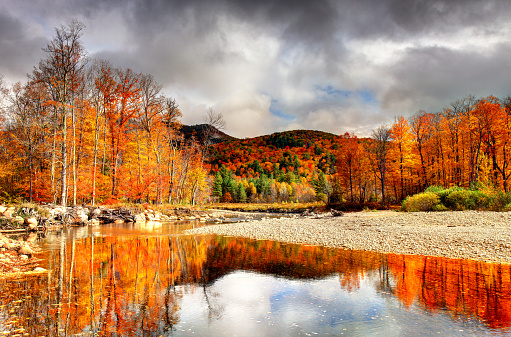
x=136 y=283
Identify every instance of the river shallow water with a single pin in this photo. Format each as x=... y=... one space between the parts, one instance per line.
x=150 y=280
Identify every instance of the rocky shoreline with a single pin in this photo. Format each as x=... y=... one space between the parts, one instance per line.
x=477 y=235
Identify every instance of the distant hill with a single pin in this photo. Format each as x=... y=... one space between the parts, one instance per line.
x=300 y=151
x=198 y=131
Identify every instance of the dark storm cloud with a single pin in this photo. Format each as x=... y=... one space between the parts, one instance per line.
x=435 y=76
x=19 y=51
x=240 y=56
x=302 y=20
x=399 y=19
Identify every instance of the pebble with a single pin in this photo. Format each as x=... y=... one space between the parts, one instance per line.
x=467 y=234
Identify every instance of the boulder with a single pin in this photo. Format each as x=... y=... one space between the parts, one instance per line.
x=140 y=218
x=81 y=216
x=96 y=212
x=118 y=221
x=18 y=220
x=31 y=223
x=25 y=250
x=57 y=212
x=9 y=212
x=39 y=270
x=3 y=209
x=10 y=246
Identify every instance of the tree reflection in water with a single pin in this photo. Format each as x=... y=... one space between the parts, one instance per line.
x=136 y=285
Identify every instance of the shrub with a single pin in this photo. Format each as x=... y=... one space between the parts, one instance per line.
x=444 y=193
x=434 y=189
x=497 y=199
x=459 y=198
x=421 y=202
x=467 y=199
x=440 y=208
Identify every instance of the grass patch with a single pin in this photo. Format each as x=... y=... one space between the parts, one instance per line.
x=269 y=208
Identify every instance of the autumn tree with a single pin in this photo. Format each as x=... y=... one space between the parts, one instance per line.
x=61 y=72
x=381 y=137
x=401 y=155
x=173 y=138
x=27 y=121
x=420 y=124
x=493 y=119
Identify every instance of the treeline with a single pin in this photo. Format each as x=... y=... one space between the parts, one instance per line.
x=467 y=144
x=286 y=188
x=84 y=131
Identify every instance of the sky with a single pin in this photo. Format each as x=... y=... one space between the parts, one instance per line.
x=275 y=65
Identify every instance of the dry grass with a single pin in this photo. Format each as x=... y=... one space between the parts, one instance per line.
x=273 y=207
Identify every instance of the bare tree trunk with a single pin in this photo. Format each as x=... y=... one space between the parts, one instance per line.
x=53 y=164
x=31 y=170
x=95 y=160
x=171 y=175
x=63 y=183
x=104 y=148
x=73 y=121
x=139 y=180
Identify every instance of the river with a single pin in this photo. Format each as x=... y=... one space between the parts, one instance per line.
x=151 y=280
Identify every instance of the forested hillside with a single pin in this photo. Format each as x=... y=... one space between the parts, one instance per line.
x=279 y=167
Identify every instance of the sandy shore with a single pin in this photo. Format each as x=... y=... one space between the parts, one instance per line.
x=484 y=236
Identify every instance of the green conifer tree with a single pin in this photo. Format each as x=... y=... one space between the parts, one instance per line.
x=217 y=185
x=242 y=194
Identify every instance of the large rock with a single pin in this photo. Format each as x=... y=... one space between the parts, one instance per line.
x=56 y=212
x=96 y=212
x=10 y=246
x=31 y=223
x=140 y=218
x=3 y=209
x=18 y=220
x=25 y=250
x=9 y=212
x=81 y=216
x=39 y=270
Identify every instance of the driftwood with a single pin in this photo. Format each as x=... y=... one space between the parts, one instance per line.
x=313 y=215
x=111 y=215
x=13 y=231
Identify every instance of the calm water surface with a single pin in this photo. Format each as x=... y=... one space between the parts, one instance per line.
x=150 y=280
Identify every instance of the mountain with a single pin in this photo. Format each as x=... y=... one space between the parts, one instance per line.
x=300 y=151
x=198 y=131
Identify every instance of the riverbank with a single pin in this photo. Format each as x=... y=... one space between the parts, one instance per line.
x=483 y=236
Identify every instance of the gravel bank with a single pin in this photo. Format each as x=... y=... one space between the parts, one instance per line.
x=484 y=236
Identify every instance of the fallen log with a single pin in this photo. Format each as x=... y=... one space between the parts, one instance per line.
x=10 y=231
